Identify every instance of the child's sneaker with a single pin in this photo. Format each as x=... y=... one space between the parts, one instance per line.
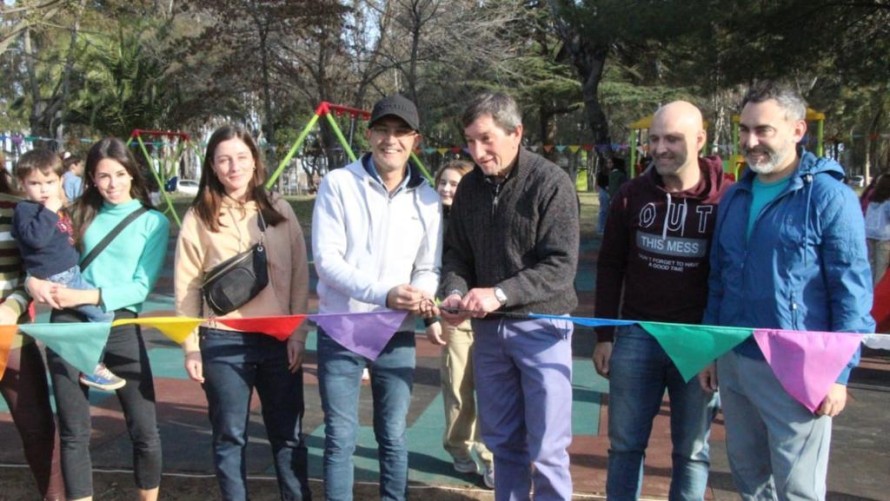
x=102 y=379
x=465 y=465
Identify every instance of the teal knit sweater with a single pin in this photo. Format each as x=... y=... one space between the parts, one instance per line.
x=128 y=268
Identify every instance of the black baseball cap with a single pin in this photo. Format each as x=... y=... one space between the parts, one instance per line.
x=398 y=106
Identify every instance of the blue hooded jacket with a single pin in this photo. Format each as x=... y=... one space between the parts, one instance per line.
x=805 y=266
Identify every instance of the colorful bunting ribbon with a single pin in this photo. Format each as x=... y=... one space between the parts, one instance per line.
x=806 y=363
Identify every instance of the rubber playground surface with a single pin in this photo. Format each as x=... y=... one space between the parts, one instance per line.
x=860 y=457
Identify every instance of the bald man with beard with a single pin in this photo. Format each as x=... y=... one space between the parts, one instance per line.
x=653 y=266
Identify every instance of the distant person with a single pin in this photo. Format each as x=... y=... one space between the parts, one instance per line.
x=512 y=247
x=43 y=230
x=867 y=192
x=602 y=190
x=617 y=176
x=72 y=179
x=665 y=215
x=458 y=382
x=788 y=253
x=877 y=228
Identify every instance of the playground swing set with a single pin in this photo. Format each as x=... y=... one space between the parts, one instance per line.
x=328 y=111
x=165 y=170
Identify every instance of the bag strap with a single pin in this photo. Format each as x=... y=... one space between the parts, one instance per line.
x=111 y=236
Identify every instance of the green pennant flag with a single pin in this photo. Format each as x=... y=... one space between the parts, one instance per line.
x=79 y=344
x=693 y=347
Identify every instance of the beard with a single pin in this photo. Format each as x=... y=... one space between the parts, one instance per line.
x=773 y=161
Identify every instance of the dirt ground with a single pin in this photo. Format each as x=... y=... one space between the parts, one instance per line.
x=16 y=484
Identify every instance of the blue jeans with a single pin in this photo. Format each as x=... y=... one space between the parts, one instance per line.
x=235 y=364
x=72 y=279
x=777 y=448
x=523 y=372
x=339 y=382
x=640 y=373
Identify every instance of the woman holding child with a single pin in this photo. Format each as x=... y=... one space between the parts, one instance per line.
x=123 y=273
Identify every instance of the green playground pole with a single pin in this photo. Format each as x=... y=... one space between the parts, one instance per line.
x=161 y=187
x=633 y=151
x=340 y=137
x=820 y=138
x=293 y=151
x=422 y=168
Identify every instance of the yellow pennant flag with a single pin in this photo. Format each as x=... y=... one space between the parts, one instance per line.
x=175 y=328
x=7 y=333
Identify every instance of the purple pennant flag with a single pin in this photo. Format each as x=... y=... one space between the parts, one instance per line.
x=365 y=334
x=807 y=363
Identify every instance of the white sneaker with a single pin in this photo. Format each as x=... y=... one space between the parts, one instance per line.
x=465 y=465
x=488 y=476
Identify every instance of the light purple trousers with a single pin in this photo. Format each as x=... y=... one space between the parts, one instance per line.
x=524 y=388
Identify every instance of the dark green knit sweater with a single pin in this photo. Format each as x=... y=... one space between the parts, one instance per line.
x=521 y=236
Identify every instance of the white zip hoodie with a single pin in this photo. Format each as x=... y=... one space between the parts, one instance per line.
x=365 y=242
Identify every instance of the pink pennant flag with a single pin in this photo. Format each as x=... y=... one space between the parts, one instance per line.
x=278 y=327
x=807 y=363
x=365 y=334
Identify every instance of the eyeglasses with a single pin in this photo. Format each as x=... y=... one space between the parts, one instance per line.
x=398 y=132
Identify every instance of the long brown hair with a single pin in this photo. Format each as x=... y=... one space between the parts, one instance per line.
x=211 y=191
x=87 y=206
x=882 y=189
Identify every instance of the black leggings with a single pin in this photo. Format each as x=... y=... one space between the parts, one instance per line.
x=26 y=393
x=125 y=355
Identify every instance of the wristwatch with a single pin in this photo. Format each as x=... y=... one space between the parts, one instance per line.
x=500 y=296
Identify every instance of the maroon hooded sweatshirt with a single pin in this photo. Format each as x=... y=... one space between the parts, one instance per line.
x=653 y=263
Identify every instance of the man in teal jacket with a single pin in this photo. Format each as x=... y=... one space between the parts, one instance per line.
x=788 y=253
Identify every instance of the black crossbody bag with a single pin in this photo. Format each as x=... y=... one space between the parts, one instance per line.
x=237 y=280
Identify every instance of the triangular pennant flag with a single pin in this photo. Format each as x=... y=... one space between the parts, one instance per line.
x=442 y=151
x=807 y=363
x=363 y=333
x=175 y=328
x=560 y=148
x=548 y=148
x=587 y=147
x=574 y=148
x=534 y=147
x=278 y=327
x=693 y=347
x=455 y=149
x=429 y=151
x=7 y=333
x=80 y=344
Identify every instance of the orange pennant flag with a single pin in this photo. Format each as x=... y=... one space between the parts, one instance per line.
x=278 y=327
x=7 y=333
